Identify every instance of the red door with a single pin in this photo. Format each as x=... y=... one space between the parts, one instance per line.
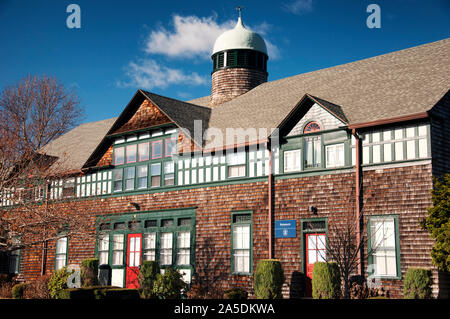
x=133 y=260
x=315 y=251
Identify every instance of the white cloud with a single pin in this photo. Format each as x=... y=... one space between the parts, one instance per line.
x=299 y=7
x=192 y=36
x=148 y=74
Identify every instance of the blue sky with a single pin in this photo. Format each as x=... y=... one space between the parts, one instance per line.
x=164 y=46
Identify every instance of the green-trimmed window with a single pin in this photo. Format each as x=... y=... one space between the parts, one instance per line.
x=118 y=179
x=313 y=151
x=184 y=248
x=241 y=243
x=142 y=176
x=144 y=151
x=103 y=249
x=236 y=164
x=165 y=257
x=61 y=253
x=335 y=155
x=384 y=259
x=292 y=161
x=130 y=173
x=117 y=249
x=119 y=155
x=156 y=174
x=149 y=249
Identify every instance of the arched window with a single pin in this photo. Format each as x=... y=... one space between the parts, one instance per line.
x=311 y=127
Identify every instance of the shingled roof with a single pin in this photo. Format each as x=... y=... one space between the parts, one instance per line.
x=396 y=84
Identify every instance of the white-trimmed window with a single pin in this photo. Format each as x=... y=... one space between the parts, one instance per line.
x=149 y=246
x=236 y=164
x=117 y=252
x=166 y=249
x=335 y=155
x=184 y=248
x=241 y=243
x=61 y=253
x=313 y=151
x=292 y=161
x=103 y=249
x=383 y=250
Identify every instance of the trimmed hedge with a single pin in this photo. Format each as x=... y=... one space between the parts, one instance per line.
x=89 y=272
x=417 y=284
x=18 y=290
x=268 y=279
x=99 y=292
x=326 y=281
x=236 y=293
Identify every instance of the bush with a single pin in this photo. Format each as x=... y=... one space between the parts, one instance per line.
x=89 y=272
x=169 y=285
x=236 y=293
x=6 y=289
x=268 y=279
x=18 y=290
x=99 y=292
x=58 y=282
x=326 y=281
x=38 y=289
x=417 y=284
x=147 y=277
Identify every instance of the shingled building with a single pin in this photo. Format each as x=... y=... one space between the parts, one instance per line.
x=262 y=170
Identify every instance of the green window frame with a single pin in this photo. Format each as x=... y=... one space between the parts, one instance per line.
x=242 y=243
x=311 y=225
x=386 y=250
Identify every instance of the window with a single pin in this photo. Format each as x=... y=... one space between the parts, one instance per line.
x=103 y=249
x=14 y=258
x=142 y=176
x=117 y=179
x=335 y=155
x=130 y=173
x=292 y=161
x=149 y=246
x=117 y=253
x=69 y=188
x=166 y=249
x=157 y=149
x=383 y=246
x=313 y=151
x=184 y=244
x=236 y=164
x=169 y=173
x=311 y=127
x=61 y=253
x=241 y=247
x=156 y=174
x=131 y=153
x=170 y=147
x=144 y=151
x=119 y=155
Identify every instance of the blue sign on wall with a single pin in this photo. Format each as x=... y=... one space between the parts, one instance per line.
x=285 y=229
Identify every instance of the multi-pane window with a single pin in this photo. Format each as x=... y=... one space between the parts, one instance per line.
x=313 y=151
x=335 y=155
x=129 y=178
x=117 y=250
x=241 y=248
x=61 y=253
x=117 y=179
x=184 y=251
x=149 y=246
x=103 y=249
x=383 y=246
x=236 y=164
x=156 y=174
x=169 y=173
x=292 y=161
x=165 y=257
x=14 y=258
x=142 y=176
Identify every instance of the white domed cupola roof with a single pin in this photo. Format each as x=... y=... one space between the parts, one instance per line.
x=239 y=38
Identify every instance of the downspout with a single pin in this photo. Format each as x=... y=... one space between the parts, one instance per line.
x=358 y=198
x=270 y=203
x=45 y=243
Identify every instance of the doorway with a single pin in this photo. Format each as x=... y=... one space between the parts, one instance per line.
x=134 y=249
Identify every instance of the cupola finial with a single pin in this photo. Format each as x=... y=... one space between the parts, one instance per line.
x=239 y=8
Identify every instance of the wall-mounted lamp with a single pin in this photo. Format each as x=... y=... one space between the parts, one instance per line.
x=313 y=209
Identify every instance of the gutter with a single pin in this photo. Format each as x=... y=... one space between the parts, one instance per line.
x=270 y=203
x=358 y=199
x=416 y=116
